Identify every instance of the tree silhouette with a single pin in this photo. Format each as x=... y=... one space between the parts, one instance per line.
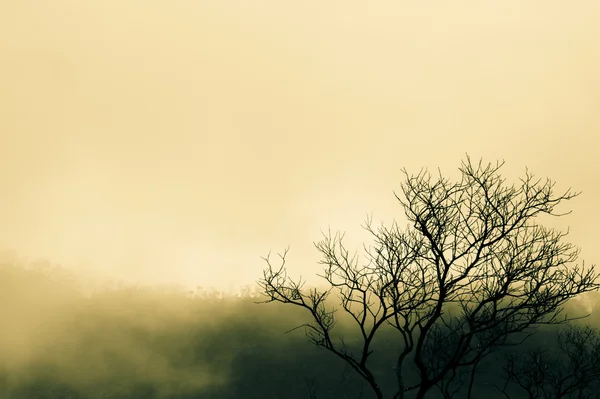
x=572 y=372
x=473 y=271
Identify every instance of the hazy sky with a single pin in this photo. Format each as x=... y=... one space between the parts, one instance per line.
x=181 y=140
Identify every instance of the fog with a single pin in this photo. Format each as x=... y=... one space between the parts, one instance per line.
x=178 y=142
x=142 y=342
x=151 y=152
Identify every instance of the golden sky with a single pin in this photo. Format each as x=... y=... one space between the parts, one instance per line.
x=178 y=141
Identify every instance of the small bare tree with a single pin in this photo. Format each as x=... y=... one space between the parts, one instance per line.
x=472 y=272
x=572 y=372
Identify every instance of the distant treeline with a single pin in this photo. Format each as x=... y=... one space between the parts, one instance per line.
x=61 y=340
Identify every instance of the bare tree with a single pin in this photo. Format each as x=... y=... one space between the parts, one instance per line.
x=473 y=271
x=310 y=384
x=573 y=372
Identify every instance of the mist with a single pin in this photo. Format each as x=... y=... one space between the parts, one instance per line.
x=152 y=152
x=130 y=341
x=152 y=142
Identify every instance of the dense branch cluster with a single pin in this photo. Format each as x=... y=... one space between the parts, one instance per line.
x=571 y=370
